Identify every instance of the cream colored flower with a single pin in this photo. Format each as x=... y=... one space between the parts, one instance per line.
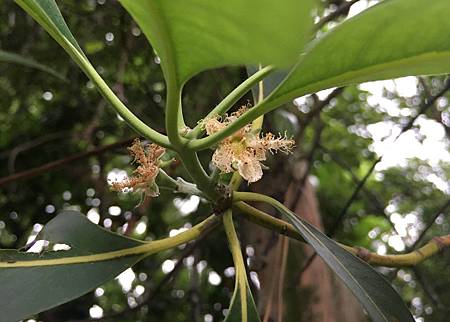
x=147 y=159
x=244 y=150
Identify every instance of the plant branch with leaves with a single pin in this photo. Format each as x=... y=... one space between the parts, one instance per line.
x=191 y=36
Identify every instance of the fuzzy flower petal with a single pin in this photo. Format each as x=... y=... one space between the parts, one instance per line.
x=244 y=150
x=147 y=159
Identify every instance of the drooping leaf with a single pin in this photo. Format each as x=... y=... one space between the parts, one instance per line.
x=235 y=309
x=242 y=307
x=31 y=283
x=42 y=281
x=194 y=35
x=392 y=39
x=381 y=301
x=12 y=58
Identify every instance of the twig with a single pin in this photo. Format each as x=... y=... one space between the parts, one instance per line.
x=425 y=230
x=427 y=104
x=54 y=165
x=168 y=278
x=343 y=9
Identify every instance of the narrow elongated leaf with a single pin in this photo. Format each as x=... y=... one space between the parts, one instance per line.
x=392 y=39
x=12 y=58
x=194 y=35
x=31 y=283
x=381 y=301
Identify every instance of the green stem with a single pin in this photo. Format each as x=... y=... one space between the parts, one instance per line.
x=198 y=174
x=232 y=98
x=145 y=249
x=174 y=115
x=253 y=196
x=121 y=109
x=241 y=276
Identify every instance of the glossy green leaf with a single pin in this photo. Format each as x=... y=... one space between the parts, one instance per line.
x=392 y=39
x=194 y=35
x=381 y=301
x=42 y=281
x=42 y=287
x=12 y=58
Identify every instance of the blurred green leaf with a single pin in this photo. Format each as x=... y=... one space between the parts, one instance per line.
x=8 y=57
x=393 y=39
x=194 y=35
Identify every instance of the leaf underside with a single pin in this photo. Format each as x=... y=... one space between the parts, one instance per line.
x=393 y=39
x=194 y=35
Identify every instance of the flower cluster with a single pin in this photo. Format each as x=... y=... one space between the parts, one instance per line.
x=245 y=149
x=147 y=159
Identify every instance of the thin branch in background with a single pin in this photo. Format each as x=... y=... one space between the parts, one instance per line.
x=372 y=197
x=341 y=10
x=284 y=255
x=13 y=153
x=316 y=109
x=57 y=164
x=440 y=211
x=427 y=288
x=314 y=113
x=436 y=113
x=352 y=198
x=425 y=106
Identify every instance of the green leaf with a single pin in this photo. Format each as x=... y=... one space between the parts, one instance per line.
x=242 y=307
x=42 y=281
x=392 y=39
x=13 y=58
x=235 y=309
x=194 y=35
x=381 y=301
x=42 y=286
